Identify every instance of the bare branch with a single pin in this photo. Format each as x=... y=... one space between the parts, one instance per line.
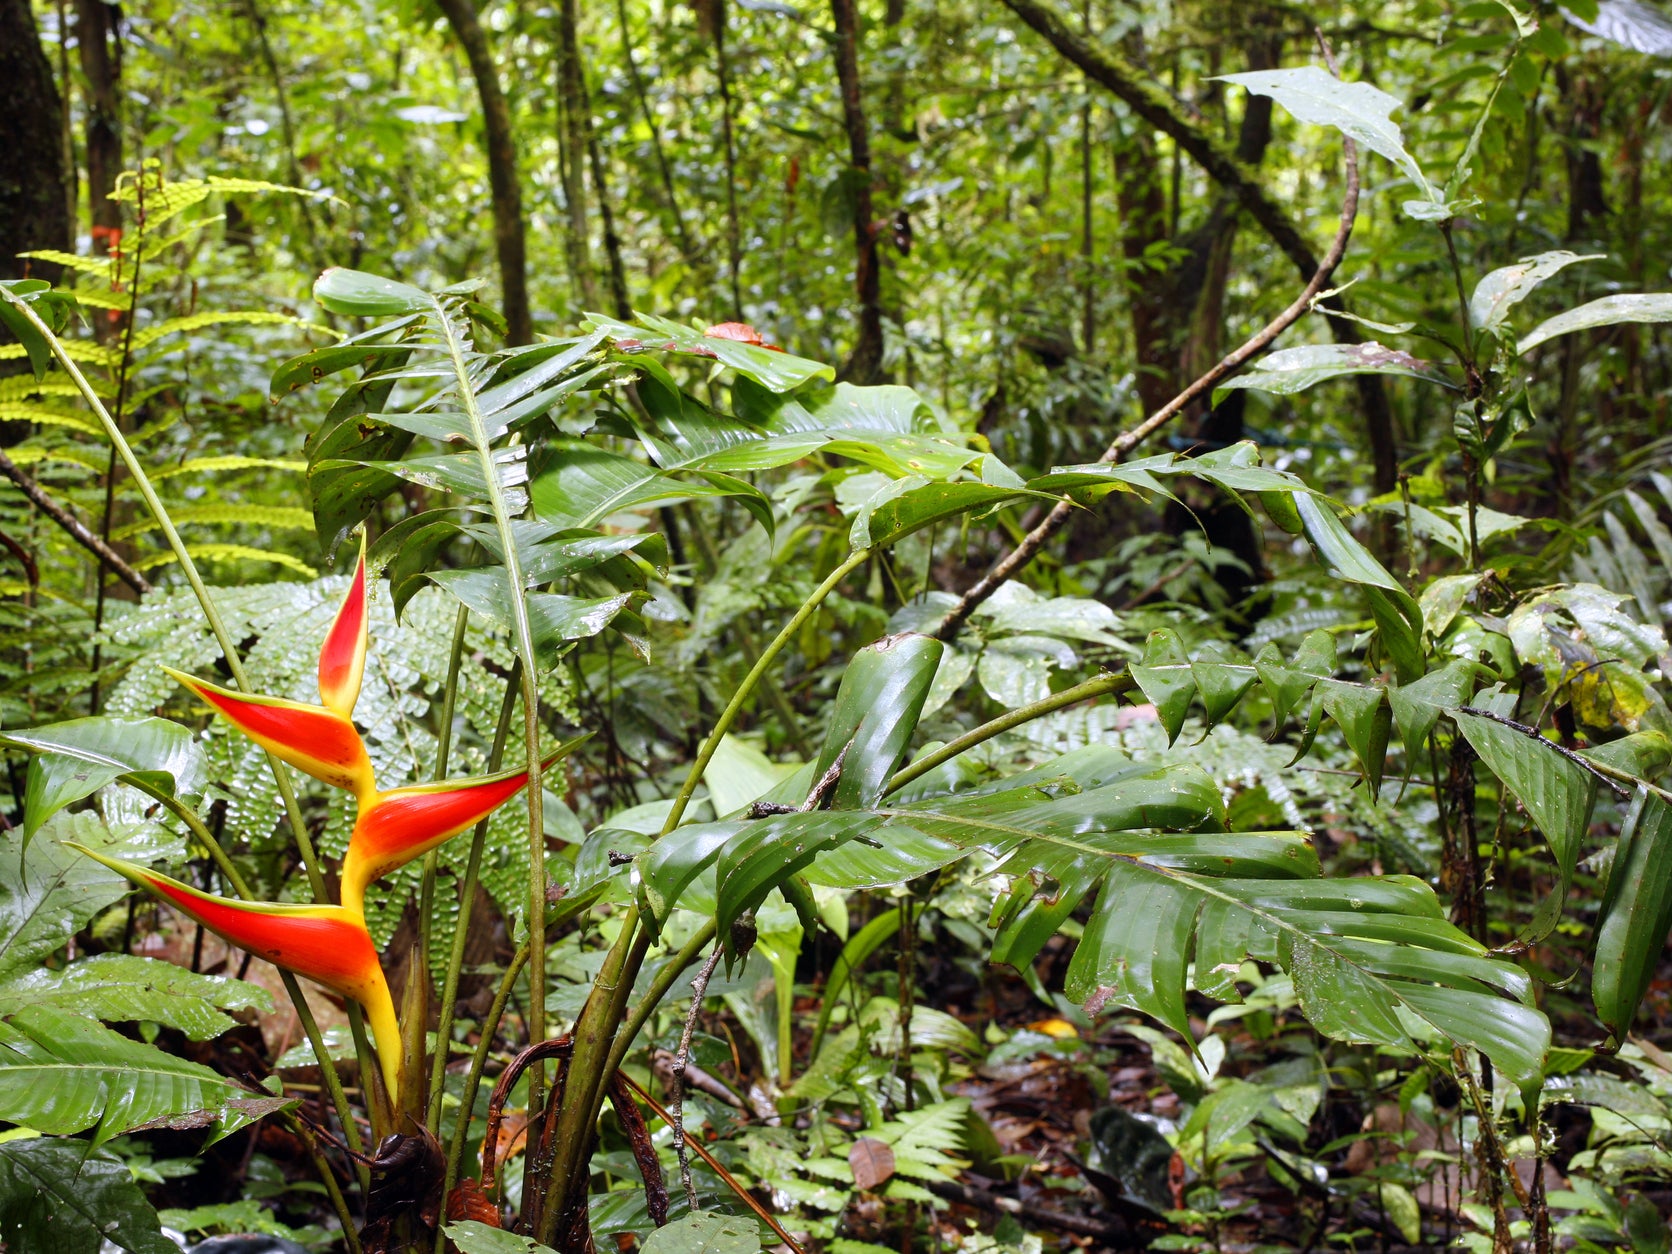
x=74 y=526
x=1031 y=543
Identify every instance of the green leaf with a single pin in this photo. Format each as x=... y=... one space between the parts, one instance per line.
x=479 y=1238
x=1417 y=706
x=48 y=893
x=1501 y=290
x=579 y=485
x=1398 y=617
x=1636 y=912
x=874 y=715
x=1558 y=793
x=123 y=988
x=1607 y=312
x=1358 y=110
x=368 y=295
x=1292 y=370
x=1221 y=683
x=1286 y=685
x=74 y=759
x=923 y=505
x=554 y=619
x=697 y=1233
x=1364 y=719
x=61 y=1073
x=1166 y=679
x=775 y=371
x=56 y=1197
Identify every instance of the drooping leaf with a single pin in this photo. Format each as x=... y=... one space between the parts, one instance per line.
x=1501 y=290
x=874 y=715
x=1365 y=720
x=775 y=371
x=1636 y=912
x=1417 y=706
x=368 y=295
x=1558 y=793
x=1166 y=679
x=62 y=1073
x=74 y=759
x=701 y=1233
x=58 y=1198
x=1606 y=312
x=1292 y=370
x=1358 y=110
x=479 y=1238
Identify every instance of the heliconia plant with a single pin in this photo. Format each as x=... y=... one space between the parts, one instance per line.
x=330 y=944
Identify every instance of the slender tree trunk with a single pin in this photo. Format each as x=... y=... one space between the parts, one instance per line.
x=101 y=65
x=573 y=126
x=1088 y=256
x=864 y=364
x=287 y=124
x=734 y=236
x=612 y=240
x=687 y=250
x=34 y=209
x=503 y=179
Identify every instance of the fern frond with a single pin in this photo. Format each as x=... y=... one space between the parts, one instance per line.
x=21 y=387
x=230 y=552
x=230 y=461
x=47 y=416
x=83 y=352
x=70 y=261
x=281 y=517
x=213 y=318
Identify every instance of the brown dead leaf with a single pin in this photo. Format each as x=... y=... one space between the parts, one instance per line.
x=872 y=1162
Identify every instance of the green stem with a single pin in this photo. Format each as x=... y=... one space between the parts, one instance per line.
x=432 y=860
x=734 y=707
x=466 y=898
x=211 y=615
x=522 y=633
x=328 y=1178
x=601 y=1017
x=1103 y=684
x=328 y=1074
x=473 y=1079
x=670 y=971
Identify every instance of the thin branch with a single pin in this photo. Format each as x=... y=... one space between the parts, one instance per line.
x=1031 y=543
x=681 y=1060
x=70 y=523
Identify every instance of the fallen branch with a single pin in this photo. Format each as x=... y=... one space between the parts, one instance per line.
x=1031 y=543
x=70 y=523
x=1113 y=1236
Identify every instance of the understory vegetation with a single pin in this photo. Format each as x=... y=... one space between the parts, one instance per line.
x=911 y=627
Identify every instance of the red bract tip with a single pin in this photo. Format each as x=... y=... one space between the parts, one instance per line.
x=319 y=741
x=342 y=658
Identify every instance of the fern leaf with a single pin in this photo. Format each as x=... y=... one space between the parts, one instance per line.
x=70 y=261
x=123 y=988
x=229 y=553
x=278 y=517
x=47 y=416
x=23 y=386
x=231 y=461
x=83 y=352
x=216 y=318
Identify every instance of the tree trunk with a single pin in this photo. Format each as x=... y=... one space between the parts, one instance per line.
x=34 y=208
x=101 y=65
x=503 y=179
x=864 y=364
x=574 y=124
x=734 y=231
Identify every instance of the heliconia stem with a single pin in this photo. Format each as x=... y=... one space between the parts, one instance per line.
x=397 y=826
x=322 y=742
x=342 y=658
x=327 y=944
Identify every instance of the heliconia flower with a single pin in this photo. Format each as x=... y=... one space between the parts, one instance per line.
x=311 y=738
x=342 y=658
x=397 y=826
x=326 y=944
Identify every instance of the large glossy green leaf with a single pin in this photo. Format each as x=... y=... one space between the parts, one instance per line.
x=555 y=619
x=1365 y=720
x=74 y=759
x=579 y=485
x=343 y=489
x=1501 y=290
x=1292 y=370
x=62 y=1073
x=776 y=371
x=123 y=988
x=1358 y=110
x=1636 y=912
x=874 y=715
x=1398 y=617
x=1559 y=793
x=48 y=893
x=56 y=1197
x=1166 y=679
x=1607 y=312
x=368 y=295
x=705 y=1234
x=922 y=503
